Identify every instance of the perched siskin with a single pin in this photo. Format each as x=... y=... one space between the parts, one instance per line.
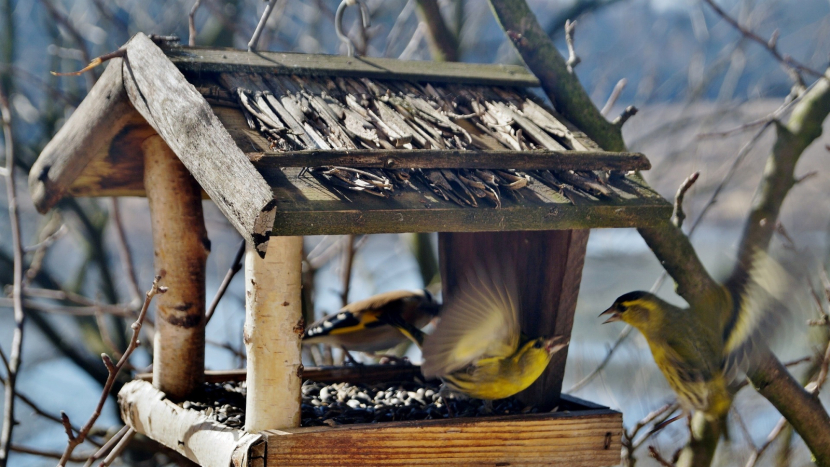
x=362 y=325
x=701 y=349
x=477 y=348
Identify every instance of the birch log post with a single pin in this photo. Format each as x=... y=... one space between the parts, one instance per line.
x=273 y=329
x=180 y=246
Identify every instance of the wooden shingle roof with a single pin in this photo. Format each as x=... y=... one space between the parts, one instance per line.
x=293 y=144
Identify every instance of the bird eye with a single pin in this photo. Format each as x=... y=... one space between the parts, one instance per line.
x=622 y=308
x=537 y=345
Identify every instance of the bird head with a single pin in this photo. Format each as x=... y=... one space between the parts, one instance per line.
x=635 y=308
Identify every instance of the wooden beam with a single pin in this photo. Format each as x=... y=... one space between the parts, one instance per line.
x=86 y=137
x=549 y=268
x=203 y=59
x=273 y=332
x=180 y=246
x=589 y=438
x=188 y=432
x=454 y=159
x=176 y=110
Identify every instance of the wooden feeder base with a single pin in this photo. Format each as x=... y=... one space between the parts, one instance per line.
x=579 y=434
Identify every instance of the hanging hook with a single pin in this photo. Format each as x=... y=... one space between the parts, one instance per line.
x=338 y=22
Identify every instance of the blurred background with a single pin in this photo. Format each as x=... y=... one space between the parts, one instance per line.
x=690 y=73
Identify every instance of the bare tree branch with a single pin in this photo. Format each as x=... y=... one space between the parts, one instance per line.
x=15 y=357
x=678 y=216
x=124 y=252
x=615 y=95
x=573 y=58
x=191 y=23
x=770 y=45
x=443 y=44
x=236 y=265
x=112 y=370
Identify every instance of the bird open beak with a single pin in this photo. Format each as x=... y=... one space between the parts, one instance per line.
x=615 y=315
x=555 y=344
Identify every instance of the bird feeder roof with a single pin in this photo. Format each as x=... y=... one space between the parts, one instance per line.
x=297 y=144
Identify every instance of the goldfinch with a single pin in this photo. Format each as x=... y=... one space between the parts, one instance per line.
x=701 y=349
x=363 y=325
x=477 y=348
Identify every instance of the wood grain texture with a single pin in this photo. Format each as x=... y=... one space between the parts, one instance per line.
x=180 y=247
x=588 y=438
x=85 y=138
x=203 y=59
x=188 y=432
x=273 y=332
x=182 y=117
x=455 y=159
x=548 y=265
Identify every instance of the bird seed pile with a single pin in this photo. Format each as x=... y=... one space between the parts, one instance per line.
x=349 y=403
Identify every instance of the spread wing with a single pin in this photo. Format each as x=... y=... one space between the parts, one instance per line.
x=769 y=294
x=480 y=321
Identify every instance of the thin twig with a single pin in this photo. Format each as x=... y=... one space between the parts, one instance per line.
x=17 y=287
x=107 y=446
x=758 y=452
x=626 y=114
x=116 y=451
x=348 y=262
x=612 y=99
x=573 y=58
x=124 y=252
x=191 y=23
x=48 y=241
x=261 y=25
x=39 y=411
x=654 y=454
x=678 y=216
x=112 y=370
x=236 y=265
x=587 y=379
x=92 y=310
x=64 y=21
x=47 y=454
x=770 y=45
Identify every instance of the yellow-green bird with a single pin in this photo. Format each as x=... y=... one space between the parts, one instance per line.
x=363 y=325
x=701 y=349
x=477 y=348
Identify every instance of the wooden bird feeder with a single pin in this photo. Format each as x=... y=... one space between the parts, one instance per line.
x=288 y=145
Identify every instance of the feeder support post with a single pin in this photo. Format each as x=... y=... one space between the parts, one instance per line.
x=273 y=333
x=180 y=247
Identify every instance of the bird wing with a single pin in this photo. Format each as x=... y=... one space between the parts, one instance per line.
x=761 y=304
x=480 y=321
x=381 y=300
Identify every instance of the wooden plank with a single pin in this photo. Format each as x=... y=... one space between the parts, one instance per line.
x=86 y=137
x=455 y=159
x=589 y=438
x=203 y=59
x=273 y=332
x=179 y=113
x=181 y=247
x=188 y=432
